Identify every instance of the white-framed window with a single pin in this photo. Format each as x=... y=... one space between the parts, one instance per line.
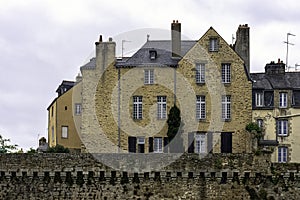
x=226 y=107
x=282 y=99
x=282 y=127
x=161 y=107
x=64 y=131
x=213 y=44
x=226 y=73
x=200 y=107
x=149 y=76
x=141 y=140
x=200 y=143
x=77 y=108
x=137 y=107
x=157 y=145
x=260 y=123
x=282 y=154
x=259 y=99
x=200 y=73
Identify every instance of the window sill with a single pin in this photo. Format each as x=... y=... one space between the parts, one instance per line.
x=226 y=120
x=200 y=83
x=201 y=120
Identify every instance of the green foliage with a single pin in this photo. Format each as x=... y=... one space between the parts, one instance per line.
x=254 y=129
x=6 y=148
x=58 y=149
x=174 y=120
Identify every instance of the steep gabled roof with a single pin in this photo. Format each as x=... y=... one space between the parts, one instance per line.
x=163 y=49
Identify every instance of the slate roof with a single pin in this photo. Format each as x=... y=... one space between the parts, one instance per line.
x=288 y=80
x=90 y=65
x=164 y=54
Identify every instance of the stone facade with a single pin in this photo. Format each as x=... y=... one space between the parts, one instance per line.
x=80 y=176
x=109 y=88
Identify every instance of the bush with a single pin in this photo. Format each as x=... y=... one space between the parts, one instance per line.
x=58 y=149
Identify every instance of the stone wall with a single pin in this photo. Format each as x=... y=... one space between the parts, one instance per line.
x=80 y=176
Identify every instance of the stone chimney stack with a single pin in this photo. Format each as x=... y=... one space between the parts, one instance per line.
x=176 y=39
x=105 y=53
x=242 y=44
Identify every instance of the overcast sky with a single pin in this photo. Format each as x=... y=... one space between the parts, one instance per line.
x=45 y=42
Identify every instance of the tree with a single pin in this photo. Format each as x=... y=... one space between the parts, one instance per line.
x=31 y=151
x=174 y=127
x=58 y=149
x=6 y=148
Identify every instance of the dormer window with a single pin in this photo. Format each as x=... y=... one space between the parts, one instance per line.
x=153 y=54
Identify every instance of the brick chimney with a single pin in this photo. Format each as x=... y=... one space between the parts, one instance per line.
x=242 y=44
x=176 y=39
x=105 y=53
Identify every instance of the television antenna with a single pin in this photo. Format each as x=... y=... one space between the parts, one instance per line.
x=123 y=41
x=287 y=48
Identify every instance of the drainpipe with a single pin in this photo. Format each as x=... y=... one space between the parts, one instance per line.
x=119 y=110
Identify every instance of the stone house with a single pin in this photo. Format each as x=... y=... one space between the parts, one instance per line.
x=276 y=103
x=126 y=101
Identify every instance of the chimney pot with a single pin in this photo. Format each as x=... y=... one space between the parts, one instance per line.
x=100 y=38
x=176 y=21
x=173 y=21
x=110 y=39
x=278 y=60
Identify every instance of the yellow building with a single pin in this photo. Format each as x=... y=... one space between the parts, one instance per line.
x=126 y=101
x=64 y=116
x=276 y=103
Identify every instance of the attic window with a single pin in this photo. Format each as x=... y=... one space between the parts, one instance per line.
x=213 y=44
x=153 y=54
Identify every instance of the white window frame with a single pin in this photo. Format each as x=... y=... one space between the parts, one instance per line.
x=282 y=127
x=226 y=107
x=200 y=143
x=282 y=154
x=78 y=108
x=161 y=107
x=140 y=140
x=282 y=100
x=226 y=72
x=148 y=76
x=200 y=107
x=260 y=123
x=137 y=107
x=64 y=131
x=157 y=145
x=213 y=44
x=259 y=99
x=200 y=73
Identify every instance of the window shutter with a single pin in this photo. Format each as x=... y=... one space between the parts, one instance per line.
x=132 y=144
x=166 y=142
x=209 y=142
x=191 y=143
x=150 y=144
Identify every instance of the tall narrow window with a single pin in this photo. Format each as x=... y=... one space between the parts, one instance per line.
x=77 y=108
x=149 y=76
x=226 y=73
x=200 y=73
x=161 y=107
x=213 y=44
x=282 y=127
x=259 y=99
x=137 y=107
x=226 y=112
x=64 y=132
x=53 y=136
x=282 y=99
x=260 y=123
x=282 y=154
x=141 y=144
x=200 y=143
x=157 y=146
x=200 y=107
